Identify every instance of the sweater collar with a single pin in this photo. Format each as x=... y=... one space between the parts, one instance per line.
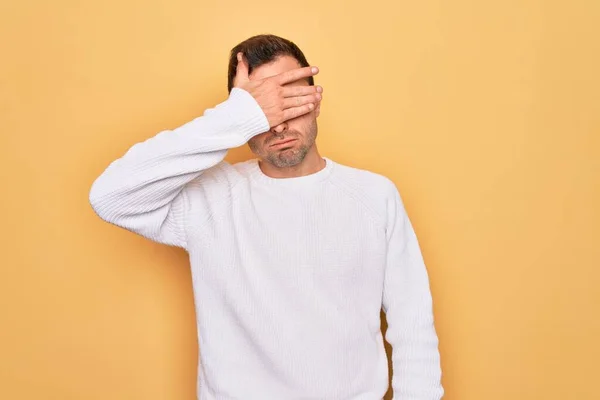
x=316 y=177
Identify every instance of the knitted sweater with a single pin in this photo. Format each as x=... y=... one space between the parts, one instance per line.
x=289 y=275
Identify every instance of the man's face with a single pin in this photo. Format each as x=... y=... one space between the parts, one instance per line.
x=286 y=144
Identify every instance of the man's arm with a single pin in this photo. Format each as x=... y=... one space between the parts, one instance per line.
x=408 y=306
x=144 y=190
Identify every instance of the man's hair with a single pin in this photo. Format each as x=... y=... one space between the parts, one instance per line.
x=263 y=49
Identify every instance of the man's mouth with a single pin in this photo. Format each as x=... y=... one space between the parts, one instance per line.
x=282 y=143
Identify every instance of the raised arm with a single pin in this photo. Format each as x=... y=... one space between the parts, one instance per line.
x=144 y=191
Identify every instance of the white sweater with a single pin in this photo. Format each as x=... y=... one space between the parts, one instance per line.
x=289 y=275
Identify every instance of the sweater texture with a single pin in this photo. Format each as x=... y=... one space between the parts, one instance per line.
x=289 y=275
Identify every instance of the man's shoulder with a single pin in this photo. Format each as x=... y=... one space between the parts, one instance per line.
x=364 y=181
x=219 y=181
x=373 y=190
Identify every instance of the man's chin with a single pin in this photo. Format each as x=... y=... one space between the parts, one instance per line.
x=285 y=158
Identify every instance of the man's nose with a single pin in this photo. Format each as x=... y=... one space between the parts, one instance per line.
x=278 y=129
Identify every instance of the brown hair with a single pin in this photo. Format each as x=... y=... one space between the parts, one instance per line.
x=263 y=49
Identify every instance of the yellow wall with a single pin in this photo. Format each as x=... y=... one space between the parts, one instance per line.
x=486 y=115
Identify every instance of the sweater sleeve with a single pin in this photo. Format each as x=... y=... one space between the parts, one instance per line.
x=144 y=191
x=407 y=303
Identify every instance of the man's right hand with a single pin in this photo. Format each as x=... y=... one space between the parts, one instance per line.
x=280 y=103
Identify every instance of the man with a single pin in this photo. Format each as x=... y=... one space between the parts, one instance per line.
x=292 y=255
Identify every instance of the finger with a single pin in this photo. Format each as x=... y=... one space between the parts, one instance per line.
x=296 y=74
x=241 y=73
x=296 y=112
x=298 y=101
x=295 y=91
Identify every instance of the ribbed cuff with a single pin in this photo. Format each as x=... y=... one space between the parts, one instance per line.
x=245 y=114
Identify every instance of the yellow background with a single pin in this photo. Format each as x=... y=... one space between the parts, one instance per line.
x=485 y=113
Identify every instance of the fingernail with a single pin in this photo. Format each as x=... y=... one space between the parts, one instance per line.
x=318 y=96
x=315 y=70
x=311 y=106
x=319 y=89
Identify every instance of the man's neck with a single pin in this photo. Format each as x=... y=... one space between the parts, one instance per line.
x=311 y=164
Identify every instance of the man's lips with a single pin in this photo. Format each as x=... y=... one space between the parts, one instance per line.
x=279 y=144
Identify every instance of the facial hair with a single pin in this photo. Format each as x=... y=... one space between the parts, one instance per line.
x=286 y=157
